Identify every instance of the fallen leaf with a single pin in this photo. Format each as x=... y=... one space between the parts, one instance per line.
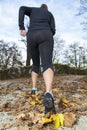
x=6 y=126
x=20 y=116
x=23 y=94
x=32 y=102
x=61 y=118
x=64 y=100
x=48 y=120
x=69 y=119
x=23 y=128
x=36 y=128
x=84 y=104
x=56 y=121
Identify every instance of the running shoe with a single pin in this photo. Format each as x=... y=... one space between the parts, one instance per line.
x=48 y=102
x=33 y=91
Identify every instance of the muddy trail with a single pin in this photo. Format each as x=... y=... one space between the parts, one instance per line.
x=20 y=111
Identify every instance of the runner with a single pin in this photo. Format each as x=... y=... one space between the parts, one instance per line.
x=40 y=42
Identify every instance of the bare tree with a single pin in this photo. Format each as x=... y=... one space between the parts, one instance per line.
x=27 y=52
x=76 y=55
x=9 y=55
x=82 y=61
x=83 y=12
x=58 y=49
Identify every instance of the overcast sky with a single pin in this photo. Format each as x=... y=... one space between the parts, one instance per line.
x=67 y=23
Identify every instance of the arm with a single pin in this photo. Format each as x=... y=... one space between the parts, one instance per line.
x=52 y=24
x=22 y=12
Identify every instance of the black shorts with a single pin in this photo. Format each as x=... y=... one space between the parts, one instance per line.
x=40 y=43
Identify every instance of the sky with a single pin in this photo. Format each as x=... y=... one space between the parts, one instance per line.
x=68 y=25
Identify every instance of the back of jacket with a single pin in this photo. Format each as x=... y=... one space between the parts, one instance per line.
x=39 y=19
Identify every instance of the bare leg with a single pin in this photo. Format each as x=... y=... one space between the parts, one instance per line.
x=34 y=79
x=48 y=76
x=48 y=97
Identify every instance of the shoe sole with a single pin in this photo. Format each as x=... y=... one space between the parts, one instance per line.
x=49 y=105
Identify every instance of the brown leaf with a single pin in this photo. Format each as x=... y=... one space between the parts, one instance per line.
x=69 y=119
x=7 y=105
x=6 y=126
x=36 y=128
x=23 y=128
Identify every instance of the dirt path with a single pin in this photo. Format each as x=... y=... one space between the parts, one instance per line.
x=70 y=94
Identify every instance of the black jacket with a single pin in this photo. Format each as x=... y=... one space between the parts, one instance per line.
x=39 y=19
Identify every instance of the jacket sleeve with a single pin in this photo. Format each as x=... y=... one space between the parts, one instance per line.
x=22 y=12
x=52 y=24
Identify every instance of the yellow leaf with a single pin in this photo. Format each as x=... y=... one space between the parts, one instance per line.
x=44 y=120
x=41 y=114
x=20 y=116
x=64 y=100
x=38 y=101
x=32 y=102
x=61 y=118
x=84 y=104
x=64 y=104
x=23 y=94
x=56 y=121
x=48 y=120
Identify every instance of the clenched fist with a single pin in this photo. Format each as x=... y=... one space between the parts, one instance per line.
x=23 y=33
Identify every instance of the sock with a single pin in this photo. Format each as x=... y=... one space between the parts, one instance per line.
x=34 y=88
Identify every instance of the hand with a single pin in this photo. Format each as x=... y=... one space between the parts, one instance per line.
x=23 y=33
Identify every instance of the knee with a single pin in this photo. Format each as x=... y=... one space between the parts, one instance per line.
x=36 y=69
x=46 y=67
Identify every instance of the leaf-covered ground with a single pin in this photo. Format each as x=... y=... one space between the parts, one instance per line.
x=20 y=111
